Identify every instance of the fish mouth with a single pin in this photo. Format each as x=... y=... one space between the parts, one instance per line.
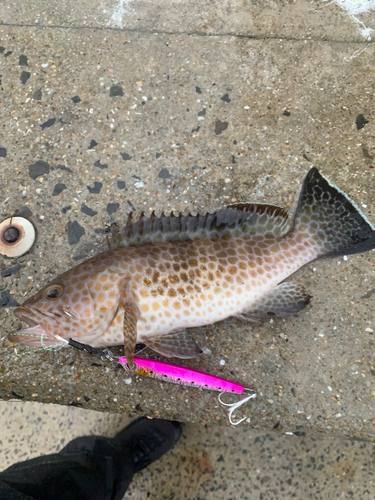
x=25 y=314
x=33 y=318
x=35 y=335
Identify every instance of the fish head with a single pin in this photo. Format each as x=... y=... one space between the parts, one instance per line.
x=67 y=307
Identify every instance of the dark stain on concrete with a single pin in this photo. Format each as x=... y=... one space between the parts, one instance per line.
x=75 y=232
x=7 y=300
x=48 y=123
x=59 y=188
x=100 y=165
x=115 y=91
x=11 y=270
x=38 y=169
x=96 y=188
x=88 y=211
x=360 y=121
x=112 y=208
x=25 y=75
x=220 y=127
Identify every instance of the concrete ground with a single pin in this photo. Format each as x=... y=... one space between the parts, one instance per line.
x=113 y=106
x=208 y=462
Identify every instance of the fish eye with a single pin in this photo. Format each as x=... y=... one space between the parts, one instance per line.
x=53 y=292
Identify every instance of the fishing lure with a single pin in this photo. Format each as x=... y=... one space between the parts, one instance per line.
x=175 y=374
x=159 y=370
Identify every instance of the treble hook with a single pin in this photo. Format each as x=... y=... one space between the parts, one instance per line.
x=233 y=406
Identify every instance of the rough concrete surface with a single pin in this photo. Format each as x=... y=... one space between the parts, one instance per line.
x=107 y=112
x=209 y=462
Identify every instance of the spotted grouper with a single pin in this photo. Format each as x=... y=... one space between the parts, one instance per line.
x=165 y=274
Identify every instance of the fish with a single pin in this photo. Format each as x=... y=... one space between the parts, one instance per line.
x=164 y=275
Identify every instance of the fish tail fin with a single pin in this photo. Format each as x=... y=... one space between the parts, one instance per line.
x=334 y=222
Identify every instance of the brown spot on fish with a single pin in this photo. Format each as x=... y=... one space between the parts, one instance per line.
x=155 y=306
x=172 y=292
x=146 y=281
x=177 y=305
x=155 y=276
x=191 y=252
x=184 y=277
x=191 y=274
x=173 y=278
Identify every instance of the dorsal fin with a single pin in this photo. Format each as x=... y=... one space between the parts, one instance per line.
x=245 y=221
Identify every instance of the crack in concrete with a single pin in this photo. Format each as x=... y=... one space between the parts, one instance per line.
x=154 y=31
x=368 y=294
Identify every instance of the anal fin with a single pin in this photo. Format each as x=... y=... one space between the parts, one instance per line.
x=175 y=344
x=284 y=300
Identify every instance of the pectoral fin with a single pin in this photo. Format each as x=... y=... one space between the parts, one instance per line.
x=130 y=331
x=284 y=300
x=175 y=344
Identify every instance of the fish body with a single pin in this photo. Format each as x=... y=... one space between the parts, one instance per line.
x=163 y=275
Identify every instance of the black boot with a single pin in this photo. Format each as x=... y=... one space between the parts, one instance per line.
x=91 y=467
x=148 y=440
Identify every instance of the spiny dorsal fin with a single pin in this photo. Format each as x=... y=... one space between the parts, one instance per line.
x=245 y=221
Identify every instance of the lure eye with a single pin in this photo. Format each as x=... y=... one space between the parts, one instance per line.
x=53 y=292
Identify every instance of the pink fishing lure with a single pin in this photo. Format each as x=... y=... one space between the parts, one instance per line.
x=180 y=375
x=163 y=371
